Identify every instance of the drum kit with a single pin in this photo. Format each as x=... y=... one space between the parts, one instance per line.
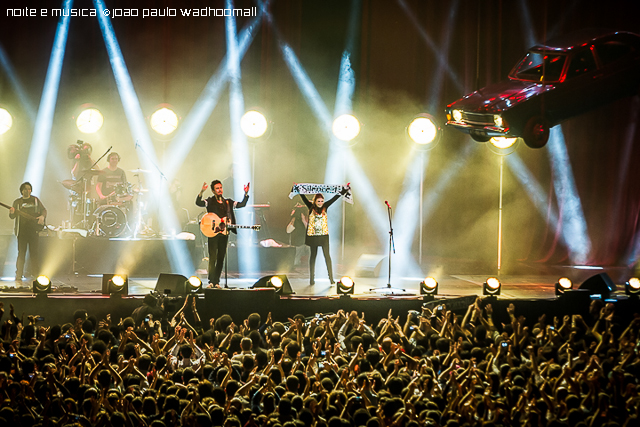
x=122 y=213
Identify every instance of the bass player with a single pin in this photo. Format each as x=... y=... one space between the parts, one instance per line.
x=223 y=208
x=29 y=214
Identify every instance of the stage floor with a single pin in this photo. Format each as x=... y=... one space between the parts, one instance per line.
x=513 y=286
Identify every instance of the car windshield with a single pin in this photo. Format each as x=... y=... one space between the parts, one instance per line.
x=534 y=64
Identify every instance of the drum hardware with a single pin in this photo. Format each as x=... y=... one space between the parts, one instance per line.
x=78 y=198
x=111 y=221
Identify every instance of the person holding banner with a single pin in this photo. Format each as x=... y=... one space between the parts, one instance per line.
x=318 y=227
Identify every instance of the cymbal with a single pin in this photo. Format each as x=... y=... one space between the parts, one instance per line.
x=139 y=171
x=71 y=184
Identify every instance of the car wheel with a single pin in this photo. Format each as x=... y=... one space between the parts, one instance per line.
x=536 y=132
x=479 y=137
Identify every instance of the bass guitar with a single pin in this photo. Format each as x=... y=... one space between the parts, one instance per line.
x=38 y=227
x=211 y=225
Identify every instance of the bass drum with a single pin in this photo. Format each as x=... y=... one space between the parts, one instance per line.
x=111 y=221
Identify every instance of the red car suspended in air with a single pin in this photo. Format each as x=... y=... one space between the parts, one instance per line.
x=555 y=81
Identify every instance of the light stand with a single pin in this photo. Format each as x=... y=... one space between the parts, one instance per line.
x=502 y=147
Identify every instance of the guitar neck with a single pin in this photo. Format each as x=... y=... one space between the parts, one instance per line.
x=19 y=212
x=254 y=227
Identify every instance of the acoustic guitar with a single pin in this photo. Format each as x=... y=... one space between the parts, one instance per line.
x=211 y=225
x=38 y=227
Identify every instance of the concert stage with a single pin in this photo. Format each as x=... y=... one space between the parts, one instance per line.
x=532 y=295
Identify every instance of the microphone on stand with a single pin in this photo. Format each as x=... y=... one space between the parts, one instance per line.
x=387 y=203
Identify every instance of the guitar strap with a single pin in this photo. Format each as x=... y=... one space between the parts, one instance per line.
x=228 y=209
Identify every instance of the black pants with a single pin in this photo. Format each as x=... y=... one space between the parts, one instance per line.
x=323 y=242
x=28 y=239
x=217 y=252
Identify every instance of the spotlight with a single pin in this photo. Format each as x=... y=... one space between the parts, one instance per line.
x=6 y=121
x=42 y=285
x=423 y=130
x=564 y=284
x=346 y=286
x=193 y=285
x=346 y=127
x=429 y=288
x=253 y=124
x=115 y=285
x=491 y=287
x=164 y=121
x=278 y=282
x=632 y=287
x=89 y=121
x=502 y=142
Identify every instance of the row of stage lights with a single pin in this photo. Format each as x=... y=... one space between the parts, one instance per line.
x=117 y=285
x=423 y=129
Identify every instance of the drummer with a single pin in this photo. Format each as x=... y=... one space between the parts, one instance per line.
x=109 y=179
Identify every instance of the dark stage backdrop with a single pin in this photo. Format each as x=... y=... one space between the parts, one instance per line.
x=398 y=74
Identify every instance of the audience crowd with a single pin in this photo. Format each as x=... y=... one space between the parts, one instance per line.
x=430 y=368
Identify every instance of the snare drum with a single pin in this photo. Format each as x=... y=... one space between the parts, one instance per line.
x=111 y=220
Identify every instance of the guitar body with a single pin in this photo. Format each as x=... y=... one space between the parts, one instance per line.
x=211 y=225
x=38 y=227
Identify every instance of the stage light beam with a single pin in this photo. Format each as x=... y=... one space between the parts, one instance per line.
x=248 y=259
x=197 y=117
x=178 y=253
x=11 y=74
x=34 y=172
x=574 y=225
x=6 y=121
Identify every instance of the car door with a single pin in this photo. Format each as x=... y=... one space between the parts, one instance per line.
x=579 y=87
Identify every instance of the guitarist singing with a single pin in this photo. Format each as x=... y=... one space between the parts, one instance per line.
x=224 y=209
x=29 y=213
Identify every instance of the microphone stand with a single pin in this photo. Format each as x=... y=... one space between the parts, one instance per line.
x=162 y=176
x=392 y=248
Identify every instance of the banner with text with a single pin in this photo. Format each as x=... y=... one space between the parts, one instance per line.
x=322 y=188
